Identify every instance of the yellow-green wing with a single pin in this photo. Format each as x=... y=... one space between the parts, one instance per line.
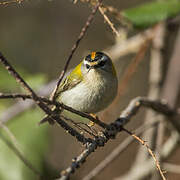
x=74 y=78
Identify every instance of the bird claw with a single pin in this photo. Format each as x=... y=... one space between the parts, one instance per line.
x=91 y=123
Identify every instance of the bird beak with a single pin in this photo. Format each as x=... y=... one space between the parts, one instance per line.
x=91 y=67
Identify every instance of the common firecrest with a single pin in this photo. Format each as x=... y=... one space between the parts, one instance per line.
x=91 y=86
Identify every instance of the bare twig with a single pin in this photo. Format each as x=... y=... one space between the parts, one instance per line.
x=149 y=150
x=22 y=106
x=141 y=170
x=14 y=96
x=113 y=129
x=108 y=21
x=80 y=37
x=76 y=124
x=119 y=149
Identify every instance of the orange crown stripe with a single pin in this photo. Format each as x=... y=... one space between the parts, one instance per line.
x=93 y=55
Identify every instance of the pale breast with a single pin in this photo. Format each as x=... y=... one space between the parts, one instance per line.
x=91 y=95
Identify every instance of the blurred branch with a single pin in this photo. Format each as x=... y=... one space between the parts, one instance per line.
x=131 y=45
x=10 y=134
x=132 y=67
x=14 y=146
x=155 y=77
x=172 y=168
x=11 y=2
x=170 y=92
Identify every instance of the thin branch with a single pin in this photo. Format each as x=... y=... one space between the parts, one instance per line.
x=142 y=170
x=108 y=21
x=14 y=96
x=82 y=114
x=79 y=127
x=149 y=150
x=115 y=128
x=118 y=15
x=117 y=151
x=21 y=106
x=10 y=134
x=75 y=46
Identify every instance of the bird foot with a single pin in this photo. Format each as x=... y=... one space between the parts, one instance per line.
x=91 y=123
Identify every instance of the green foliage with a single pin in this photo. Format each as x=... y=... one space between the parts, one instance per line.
x=33 y=142
x=8 y=83
x=33 y=139
x=151 y=13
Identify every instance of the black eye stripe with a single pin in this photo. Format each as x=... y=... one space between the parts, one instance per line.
x=87 y=66
x=101 y=63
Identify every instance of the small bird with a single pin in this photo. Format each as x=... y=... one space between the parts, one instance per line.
x=91 y=86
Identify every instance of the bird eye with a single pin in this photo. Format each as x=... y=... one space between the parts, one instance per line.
x=102 y=63
x=87 y=66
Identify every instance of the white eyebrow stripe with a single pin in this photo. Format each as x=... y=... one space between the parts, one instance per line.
x=86 y=62
x=94 y=63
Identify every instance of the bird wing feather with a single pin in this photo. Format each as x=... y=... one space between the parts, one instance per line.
x=71 y=80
